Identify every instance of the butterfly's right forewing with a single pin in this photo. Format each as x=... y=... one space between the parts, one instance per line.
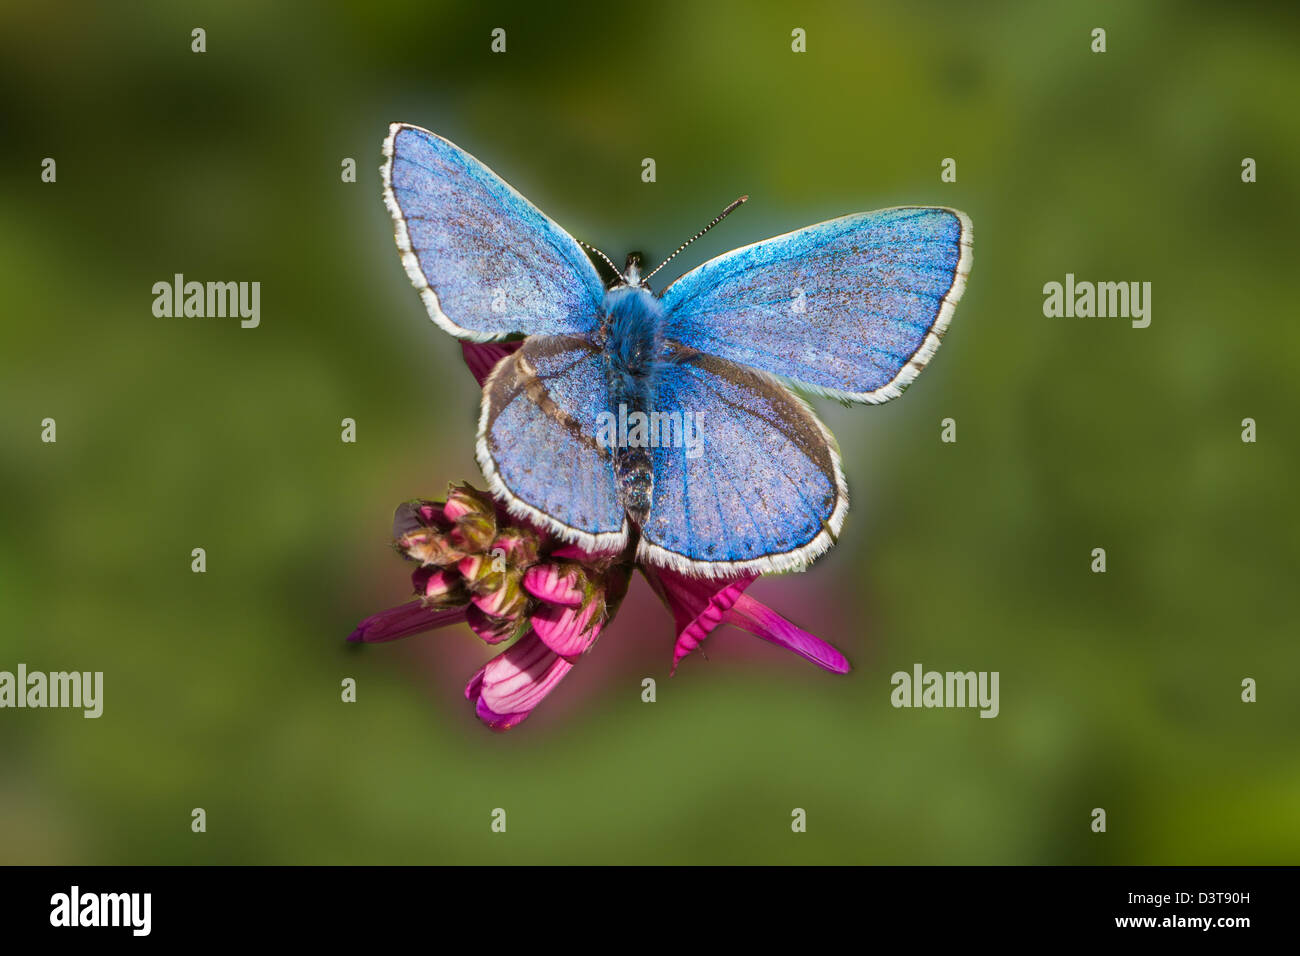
x=853 y=308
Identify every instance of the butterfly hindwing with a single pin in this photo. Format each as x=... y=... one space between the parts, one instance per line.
x=761 y=491
x=537 y=441
x=852 y=308
x=487 y=262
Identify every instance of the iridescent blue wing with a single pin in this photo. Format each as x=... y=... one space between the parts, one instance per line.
x=762 y=491
x=537 y=441
x=851 y=308
x=487 y=262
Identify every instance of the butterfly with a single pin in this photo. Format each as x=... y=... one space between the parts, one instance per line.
x=667 y=418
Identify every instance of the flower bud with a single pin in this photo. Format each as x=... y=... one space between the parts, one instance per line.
x=507 y=599
x=491 y=629
x=517 y=545
x=439 y=587
x=465 y=500
x=473 y=532
x=416 y=514
x=428 y=547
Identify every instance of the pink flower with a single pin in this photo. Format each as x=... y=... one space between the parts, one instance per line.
x=511 y=581
x=699 y=605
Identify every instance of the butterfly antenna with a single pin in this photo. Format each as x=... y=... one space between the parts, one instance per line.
x=588 y=246
x=721 y=216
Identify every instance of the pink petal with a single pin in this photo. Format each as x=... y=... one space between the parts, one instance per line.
x=475 y=684
x=545 y=581
x=491 y=630
x=435 y=583
x=761 y=620
x=485 y=713
x=498 y=721
x=568 y=631
x=496 y=603
x=482 y=357
x=468 y=566
x=516 y=681
x=698 y=604
x=404 y=621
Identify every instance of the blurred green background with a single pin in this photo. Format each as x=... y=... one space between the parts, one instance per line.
x=1118 y=690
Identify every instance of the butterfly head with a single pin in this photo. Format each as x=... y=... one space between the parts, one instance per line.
x=632 y=271
x=631 y=276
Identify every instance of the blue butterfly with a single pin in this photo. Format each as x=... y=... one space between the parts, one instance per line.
x=667 y=416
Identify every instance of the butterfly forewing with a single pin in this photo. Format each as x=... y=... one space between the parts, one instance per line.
x=487 y=262
x=853 y=307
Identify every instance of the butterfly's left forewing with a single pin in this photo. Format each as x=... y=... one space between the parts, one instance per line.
x=754 y=485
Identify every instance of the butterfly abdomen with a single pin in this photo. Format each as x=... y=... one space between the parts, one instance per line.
x=633 y=343
x=634 y=469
